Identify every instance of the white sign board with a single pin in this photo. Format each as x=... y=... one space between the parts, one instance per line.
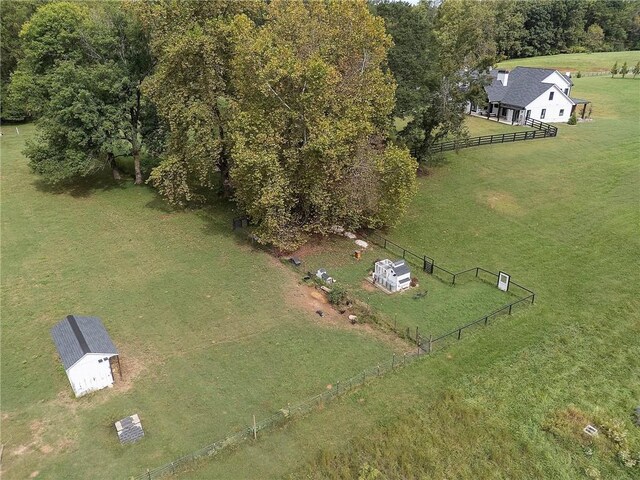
x=503 y=281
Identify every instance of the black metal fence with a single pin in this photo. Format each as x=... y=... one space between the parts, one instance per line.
x=542 y=130
x=524 y=295
x=250 y=432
x=423 y=347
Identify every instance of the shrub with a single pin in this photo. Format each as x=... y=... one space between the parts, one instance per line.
x=573 y=119
x=338 y=295
x=579 y=74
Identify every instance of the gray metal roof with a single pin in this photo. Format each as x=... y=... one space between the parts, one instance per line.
x=129 y=429
x=524 y=85
x=400 y=268
x=580 y=101
x=76 y=336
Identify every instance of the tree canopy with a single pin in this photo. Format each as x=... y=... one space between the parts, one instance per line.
x=80 y=74
x=310 y=122
x=284 y=107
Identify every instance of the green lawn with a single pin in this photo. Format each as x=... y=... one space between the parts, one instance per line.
x=481 y=126
x=562 y=215
x=210 y=336
x=206 y=335
x=573 y=62
x=444 y=307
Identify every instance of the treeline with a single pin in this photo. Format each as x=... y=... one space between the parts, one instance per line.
x=285 y=107
x=527 y=28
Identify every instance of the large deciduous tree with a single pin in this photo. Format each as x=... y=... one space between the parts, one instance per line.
x=80 y=73
x=436 y=50
x=311 y=115
x=14 y=14
x=191 y=87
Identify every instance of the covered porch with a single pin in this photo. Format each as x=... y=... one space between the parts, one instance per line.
x=581 y=108
x=503 y=113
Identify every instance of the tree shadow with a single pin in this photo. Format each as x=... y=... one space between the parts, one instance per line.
x=160 y=204
x=84 y=187
x=216 y=216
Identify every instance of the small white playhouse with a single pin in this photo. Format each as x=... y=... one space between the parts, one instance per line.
x=87 y=353
x=393 y=276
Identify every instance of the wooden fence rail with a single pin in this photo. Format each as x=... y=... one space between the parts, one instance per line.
x=542 y=130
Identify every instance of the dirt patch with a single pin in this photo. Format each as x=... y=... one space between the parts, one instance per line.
x=34 y=474
x=314 y=245
x=132 y=365
x=315 y=294
x=310 y=299
x=568 y=424
x=502 y=202
x=369 y=287
x=20 y=450
x=46 y=448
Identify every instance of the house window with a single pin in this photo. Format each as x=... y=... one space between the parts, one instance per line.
x=100 y=361
x=551 y=95
x=561 y=112
x=543 y=113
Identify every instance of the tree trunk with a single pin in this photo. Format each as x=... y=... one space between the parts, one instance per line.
x=224 y=163
x=136 y=166
x=117 y=174
x=135 y=142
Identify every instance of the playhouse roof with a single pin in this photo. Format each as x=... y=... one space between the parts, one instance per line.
x=76 y=336
x=400 y=267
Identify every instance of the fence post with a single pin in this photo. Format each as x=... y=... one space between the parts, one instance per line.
x=378 y=370
x=404 y=358
x=511 y=305
x=533 y=297
x=459 y=333
x=255 y=429
x=486 y=319
x=393 y=361
x=148 y=474
x=430 y=342
x=337 y=388
x=417 y=343
x=477 y=269
x=454 y=279
x=385 y=243
x=408 y=335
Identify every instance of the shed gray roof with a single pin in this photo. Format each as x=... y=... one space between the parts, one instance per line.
x=76 y=336
x=524 y=85
x=400 y=268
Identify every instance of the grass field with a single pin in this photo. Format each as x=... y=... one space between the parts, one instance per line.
x=476 y=126
x=511 y=401
x=441 y=310
x=574 y=62
x=209 y=334
x=205 y=331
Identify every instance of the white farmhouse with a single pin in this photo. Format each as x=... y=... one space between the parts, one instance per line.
x=394 y=276
x=86 y=351
x=529 y=93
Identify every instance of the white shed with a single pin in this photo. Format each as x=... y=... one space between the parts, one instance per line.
x=394 y=276
x=87 y=353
